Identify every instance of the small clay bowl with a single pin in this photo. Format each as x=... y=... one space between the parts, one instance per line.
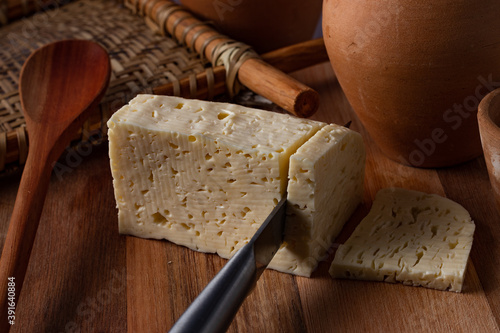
x=489 y=128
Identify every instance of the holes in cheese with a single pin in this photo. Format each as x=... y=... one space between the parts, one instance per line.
x=211 y=165
x=321 y=198
x=409 y=237
x=220 y=169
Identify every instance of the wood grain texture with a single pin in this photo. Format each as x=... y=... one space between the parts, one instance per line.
x=59 y=85
x=150 y=283
x=287 y=59
x=297 y=56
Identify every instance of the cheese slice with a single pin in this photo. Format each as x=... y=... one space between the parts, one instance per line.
x=326 y=185
x=200 y=174
x=409 y=237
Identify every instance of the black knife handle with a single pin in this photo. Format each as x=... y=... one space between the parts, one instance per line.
x=215 y=307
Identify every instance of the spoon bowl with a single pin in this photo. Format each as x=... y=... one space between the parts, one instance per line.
x=59 y=85
x=74 y=78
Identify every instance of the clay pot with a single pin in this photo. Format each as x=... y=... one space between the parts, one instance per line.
x=264 y=24
x=489 y=126
x=415 y=72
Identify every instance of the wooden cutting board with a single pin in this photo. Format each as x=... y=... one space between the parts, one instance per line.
x=85 y=277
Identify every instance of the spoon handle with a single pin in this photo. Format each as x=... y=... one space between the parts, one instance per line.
x=21 y=233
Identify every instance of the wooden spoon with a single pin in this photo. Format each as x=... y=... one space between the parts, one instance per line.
x=59 y=84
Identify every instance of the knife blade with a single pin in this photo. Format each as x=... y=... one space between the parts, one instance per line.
x=215 y=307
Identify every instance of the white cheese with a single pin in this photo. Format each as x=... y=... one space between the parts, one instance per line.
x=410 y=237
x=200 y=174
x=326 y=185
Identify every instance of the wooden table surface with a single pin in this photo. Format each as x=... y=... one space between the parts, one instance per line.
x=85 y=277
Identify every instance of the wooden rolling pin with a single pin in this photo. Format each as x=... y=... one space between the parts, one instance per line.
x=254 y=73
x=287 y=59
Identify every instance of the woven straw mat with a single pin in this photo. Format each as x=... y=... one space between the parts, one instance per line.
x=140 y=60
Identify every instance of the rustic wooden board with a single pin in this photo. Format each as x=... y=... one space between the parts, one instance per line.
x=84 y=277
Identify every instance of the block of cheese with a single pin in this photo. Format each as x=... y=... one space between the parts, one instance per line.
x=200 y=174
x=409 y=237
x=325 y=186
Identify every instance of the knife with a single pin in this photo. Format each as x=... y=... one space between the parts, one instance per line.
x=215 y=307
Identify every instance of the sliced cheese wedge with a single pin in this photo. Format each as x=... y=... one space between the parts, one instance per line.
x=326 y=185
x=409 y=237
x=206 y=175
x=200 y=174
